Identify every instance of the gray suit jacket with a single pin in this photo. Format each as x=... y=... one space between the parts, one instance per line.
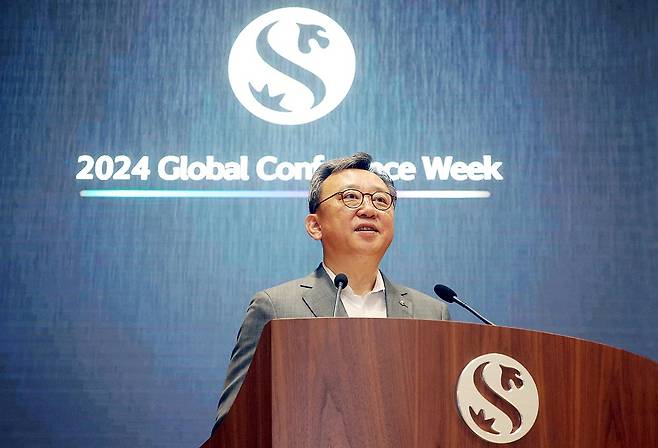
x=311 y=296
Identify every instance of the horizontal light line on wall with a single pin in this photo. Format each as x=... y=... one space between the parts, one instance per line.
x=212 y=194
x=194 y=194
x=444 y=194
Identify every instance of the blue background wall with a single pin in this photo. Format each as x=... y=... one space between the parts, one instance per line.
x=117 y=316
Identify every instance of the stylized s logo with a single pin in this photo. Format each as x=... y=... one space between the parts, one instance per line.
x=497 y=398
x=291 y=66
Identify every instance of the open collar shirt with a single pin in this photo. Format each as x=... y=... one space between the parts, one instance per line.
x=371 y=304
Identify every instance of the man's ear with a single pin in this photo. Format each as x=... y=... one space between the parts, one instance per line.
x=313 y=226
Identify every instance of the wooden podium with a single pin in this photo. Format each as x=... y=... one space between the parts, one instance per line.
x=392 y=383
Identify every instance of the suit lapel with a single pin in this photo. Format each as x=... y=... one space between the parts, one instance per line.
x=319 y=294
x=396 y=304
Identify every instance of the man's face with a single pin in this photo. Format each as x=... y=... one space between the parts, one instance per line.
x=345 y=231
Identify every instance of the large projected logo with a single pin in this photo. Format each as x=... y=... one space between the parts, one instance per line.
x=291 y=66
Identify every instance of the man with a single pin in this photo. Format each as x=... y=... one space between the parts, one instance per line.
x=351 y=213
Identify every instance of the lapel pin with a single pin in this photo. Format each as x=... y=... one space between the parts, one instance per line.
x=403 y=303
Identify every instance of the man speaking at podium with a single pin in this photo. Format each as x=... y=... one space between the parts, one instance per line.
x=351 y=212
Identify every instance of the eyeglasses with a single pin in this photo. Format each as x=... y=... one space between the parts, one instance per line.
x=381 y=200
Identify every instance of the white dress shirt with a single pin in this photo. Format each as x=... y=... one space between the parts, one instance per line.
x=371 y=304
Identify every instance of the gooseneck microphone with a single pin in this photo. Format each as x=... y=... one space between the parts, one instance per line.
x=450 y=296
x=340 y=281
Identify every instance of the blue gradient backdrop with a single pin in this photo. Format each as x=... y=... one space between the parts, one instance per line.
x=117 y=316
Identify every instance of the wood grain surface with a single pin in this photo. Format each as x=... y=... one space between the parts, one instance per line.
x=391 y=383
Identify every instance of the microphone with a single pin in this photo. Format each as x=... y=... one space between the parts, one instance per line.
x=340 y=281
x=450 y=296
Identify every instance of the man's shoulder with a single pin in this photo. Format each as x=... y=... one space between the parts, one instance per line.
x=424 y=306
x=416 y=295
x=294 y=298
x=282 y=289
x=307 y=282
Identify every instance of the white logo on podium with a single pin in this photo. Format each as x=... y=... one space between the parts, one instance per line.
x=497 y=398
x=291 y=66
